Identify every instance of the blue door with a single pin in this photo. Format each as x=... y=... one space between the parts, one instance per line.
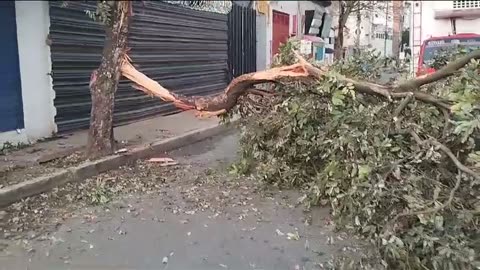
x=11 y=108
x=320 y=53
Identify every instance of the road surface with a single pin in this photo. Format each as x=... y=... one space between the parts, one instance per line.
x=203 y=219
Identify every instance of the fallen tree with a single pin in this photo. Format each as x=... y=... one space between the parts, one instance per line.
x=245 y=84
x=396 y=163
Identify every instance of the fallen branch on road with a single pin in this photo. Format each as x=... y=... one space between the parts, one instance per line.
x=224 y=102
x=395 y=164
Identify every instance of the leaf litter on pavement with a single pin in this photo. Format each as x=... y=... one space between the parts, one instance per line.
x=185 y=190
x=197 y=190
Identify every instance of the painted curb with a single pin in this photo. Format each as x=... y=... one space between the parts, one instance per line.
x=13 y=193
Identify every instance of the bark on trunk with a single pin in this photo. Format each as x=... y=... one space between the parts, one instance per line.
x=397 y=28
x=104 y=82
x=338 y=45
x=358 y=32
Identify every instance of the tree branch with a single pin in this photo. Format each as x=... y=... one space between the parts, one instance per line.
x=221 y=102
x=435 y=209
x=399 y=109
x=454 y=159
x=406 y=88
x=457 y=163
x=244 y=83
x=260 y=92
x=443 y=73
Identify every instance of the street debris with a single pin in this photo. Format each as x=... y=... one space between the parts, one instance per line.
x=164 y=161
x=122 y=150
x=184 y=191
x=3 y=214
x=293 y=236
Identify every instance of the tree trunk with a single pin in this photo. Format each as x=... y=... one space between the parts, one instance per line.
x=358 y=32
x=338 y=44
x=397 y=28
x=104 y=82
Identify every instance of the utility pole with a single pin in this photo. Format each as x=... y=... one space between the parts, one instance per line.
x=386 y=32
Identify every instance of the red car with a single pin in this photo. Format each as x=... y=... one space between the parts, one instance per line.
x=433 y=45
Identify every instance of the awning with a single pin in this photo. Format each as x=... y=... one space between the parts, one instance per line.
x=314 y=39
x=457 y=13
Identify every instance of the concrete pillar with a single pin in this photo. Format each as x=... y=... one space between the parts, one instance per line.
x=33 y=23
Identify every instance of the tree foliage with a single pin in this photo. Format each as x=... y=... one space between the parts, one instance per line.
x=343 y=10
x=401 y=173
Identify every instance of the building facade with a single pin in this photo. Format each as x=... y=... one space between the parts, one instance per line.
x=27 y=110
x=441 y=18
x=279 y=20
x=49 y=51
x=373 y=31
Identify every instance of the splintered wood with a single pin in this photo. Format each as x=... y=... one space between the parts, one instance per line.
x=217 y=104
x=163 y=162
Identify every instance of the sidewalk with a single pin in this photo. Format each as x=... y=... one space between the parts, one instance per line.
x=137 y=133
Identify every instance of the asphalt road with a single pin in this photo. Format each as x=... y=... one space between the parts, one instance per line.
x=250 y=230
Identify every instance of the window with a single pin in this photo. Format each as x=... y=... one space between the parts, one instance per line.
x=461 y=4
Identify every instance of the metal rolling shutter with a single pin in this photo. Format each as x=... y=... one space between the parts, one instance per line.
x=183 y=49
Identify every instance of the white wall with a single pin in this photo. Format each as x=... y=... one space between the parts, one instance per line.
x=33 y=24
x=368 y=38
x=442 y=27
x=292 y=8
x=437 y=27
x=379 y=45
x=261 y=26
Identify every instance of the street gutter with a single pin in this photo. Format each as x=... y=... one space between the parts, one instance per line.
x=14 y=193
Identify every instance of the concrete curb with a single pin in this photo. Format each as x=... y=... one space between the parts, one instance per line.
x=13 y=193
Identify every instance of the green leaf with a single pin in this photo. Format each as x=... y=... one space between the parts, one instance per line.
x=363 y=171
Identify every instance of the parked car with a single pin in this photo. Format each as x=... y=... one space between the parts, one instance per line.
x=434 y=45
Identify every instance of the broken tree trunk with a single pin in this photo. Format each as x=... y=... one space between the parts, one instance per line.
x=216 y=105
x=339 y=37
x=104 y=82
x=245 y=84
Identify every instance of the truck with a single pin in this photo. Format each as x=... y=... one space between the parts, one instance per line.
x=436 y=25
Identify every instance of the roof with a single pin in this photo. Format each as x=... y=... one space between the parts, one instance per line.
x=313 y=38
x=461 y=35
x=323 y=3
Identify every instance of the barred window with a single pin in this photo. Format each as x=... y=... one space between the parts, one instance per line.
x=461 y=4
x=217 y=6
